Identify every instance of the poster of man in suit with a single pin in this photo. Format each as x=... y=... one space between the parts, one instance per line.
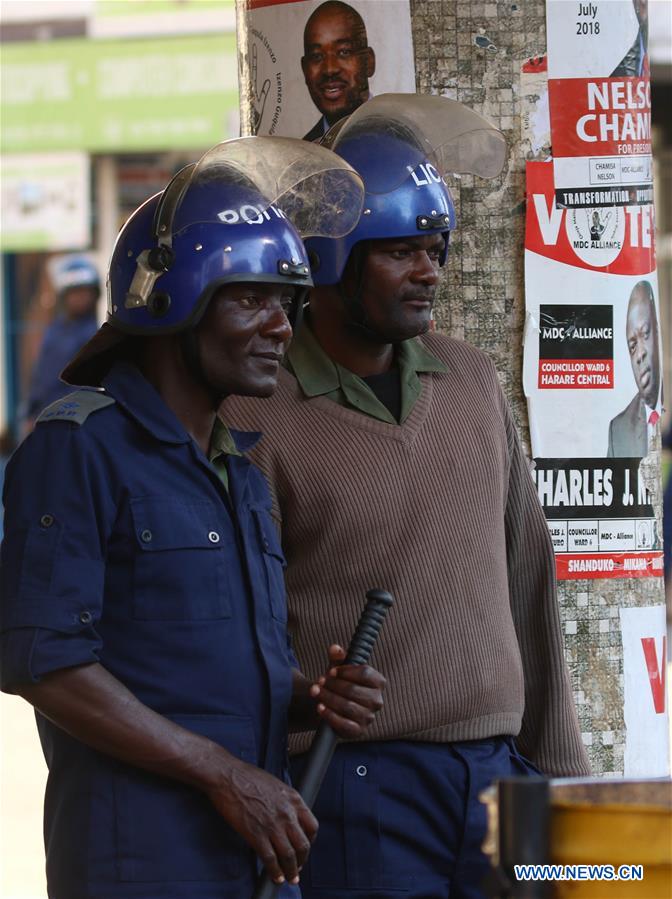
x=311 y=62
x=632 y=431
x=337 y=63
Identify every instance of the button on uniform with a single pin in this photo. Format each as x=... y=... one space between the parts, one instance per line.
x=146 y=536
x=213 y=537
x=362 y=770
x=47 y=520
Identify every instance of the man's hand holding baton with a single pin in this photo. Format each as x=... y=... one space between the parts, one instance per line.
x=347 y=700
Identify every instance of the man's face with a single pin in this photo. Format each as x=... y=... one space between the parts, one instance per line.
x=398 y=286
x=642 y=335
x=337 y=63
x=242 y=337
x=80 y=301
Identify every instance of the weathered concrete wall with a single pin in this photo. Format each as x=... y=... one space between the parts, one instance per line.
x=472 y=51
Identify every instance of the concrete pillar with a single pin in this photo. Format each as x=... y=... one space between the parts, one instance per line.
x=107 y=213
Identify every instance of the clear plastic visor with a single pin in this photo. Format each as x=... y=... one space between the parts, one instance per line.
x=452 y=138
x=320 y=193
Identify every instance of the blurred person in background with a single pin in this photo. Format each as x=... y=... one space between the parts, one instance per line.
x=77 y=287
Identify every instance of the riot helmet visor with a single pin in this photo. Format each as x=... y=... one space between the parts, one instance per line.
x=441 y=135
x=316 y=190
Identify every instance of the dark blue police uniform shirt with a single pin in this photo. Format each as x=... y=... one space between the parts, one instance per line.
x=122 y=546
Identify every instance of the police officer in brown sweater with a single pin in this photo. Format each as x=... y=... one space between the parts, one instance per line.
x=393 y=461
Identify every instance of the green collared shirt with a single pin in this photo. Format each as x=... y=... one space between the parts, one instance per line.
x=221 y=446
x=318 y=375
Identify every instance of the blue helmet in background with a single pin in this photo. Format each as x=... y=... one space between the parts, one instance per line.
x=404 y=146
x=71 y=272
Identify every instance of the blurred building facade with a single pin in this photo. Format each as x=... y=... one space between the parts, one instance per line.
x=101 y=103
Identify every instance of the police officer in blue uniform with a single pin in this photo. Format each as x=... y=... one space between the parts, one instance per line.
x=77 y=290
x=143 y=608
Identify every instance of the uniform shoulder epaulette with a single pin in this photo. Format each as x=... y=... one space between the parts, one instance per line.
x=76 y=407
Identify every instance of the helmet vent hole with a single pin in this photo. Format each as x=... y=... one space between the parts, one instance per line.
x=158 y=304
x=161 y=259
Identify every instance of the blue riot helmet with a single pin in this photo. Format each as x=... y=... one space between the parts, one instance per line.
x=239 y=214
x=164 y=286
x=405 y=146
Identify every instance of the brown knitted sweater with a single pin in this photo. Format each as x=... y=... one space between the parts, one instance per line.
x=442 y=512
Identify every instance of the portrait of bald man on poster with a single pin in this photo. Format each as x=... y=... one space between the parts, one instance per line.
x=337 y=63
x=310 y=63
x=632 y=431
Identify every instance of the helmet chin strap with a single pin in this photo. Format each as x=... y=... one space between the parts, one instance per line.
x=354 y=306
x=353 y=303
x=191 y=352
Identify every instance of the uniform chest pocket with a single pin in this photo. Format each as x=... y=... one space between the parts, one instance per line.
x=274 y=562
x=183 y=556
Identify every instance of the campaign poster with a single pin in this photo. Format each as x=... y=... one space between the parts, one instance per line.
x=592 y=344
x=305 y=64
x=592 y=377
x=645 y=692
x=600 y=103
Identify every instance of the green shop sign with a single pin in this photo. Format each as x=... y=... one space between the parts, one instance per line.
x=106 y=96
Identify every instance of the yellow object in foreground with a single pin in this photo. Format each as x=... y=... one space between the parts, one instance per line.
x=613 y=823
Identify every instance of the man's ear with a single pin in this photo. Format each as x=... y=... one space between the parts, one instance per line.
x=370 y=62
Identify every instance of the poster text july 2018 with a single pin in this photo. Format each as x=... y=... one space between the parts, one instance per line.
x=587 y=23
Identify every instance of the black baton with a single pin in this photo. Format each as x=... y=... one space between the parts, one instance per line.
x=324 y=743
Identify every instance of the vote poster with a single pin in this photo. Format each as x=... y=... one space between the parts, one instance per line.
x=305 y=64
x=592 y=345
x=592 y=378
